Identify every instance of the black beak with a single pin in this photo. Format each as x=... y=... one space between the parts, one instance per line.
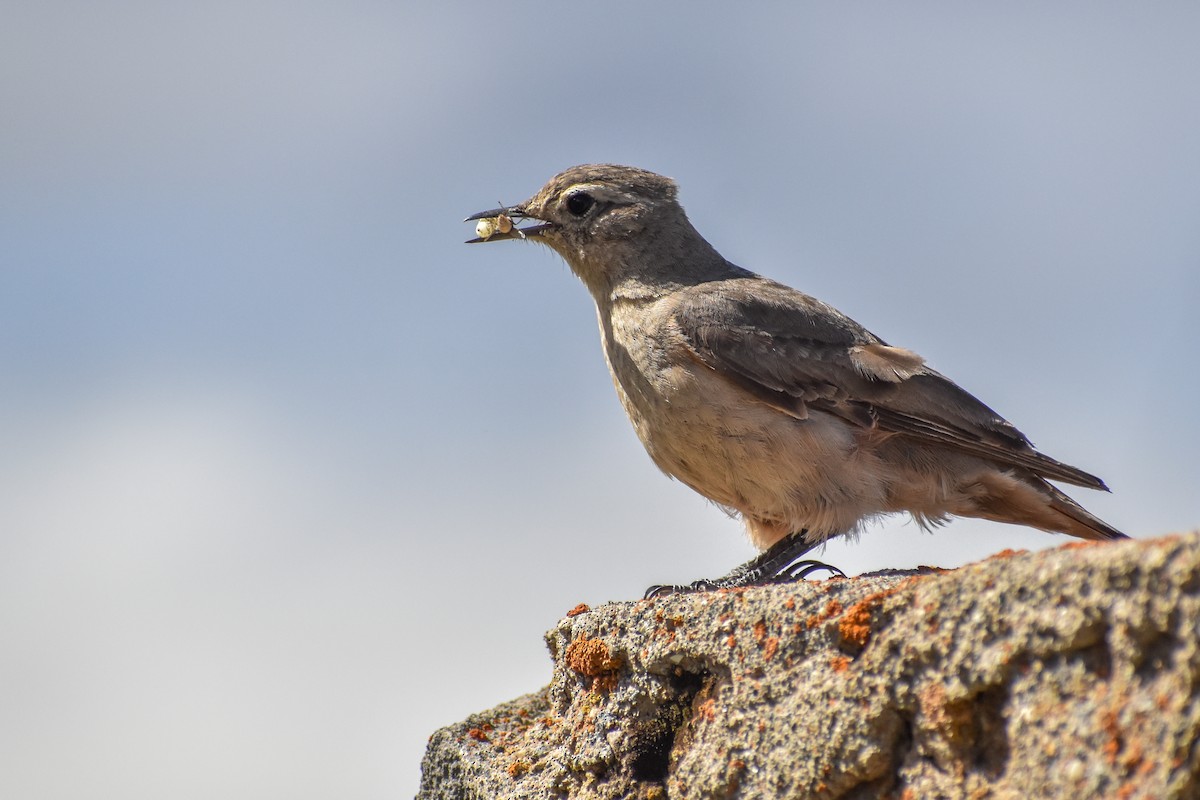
x=511 y=215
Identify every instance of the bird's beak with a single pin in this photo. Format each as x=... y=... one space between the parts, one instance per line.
x=501 y=223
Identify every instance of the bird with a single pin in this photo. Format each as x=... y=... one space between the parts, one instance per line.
x=769 y=402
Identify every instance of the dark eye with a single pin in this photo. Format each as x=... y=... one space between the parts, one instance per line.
x=579 y=203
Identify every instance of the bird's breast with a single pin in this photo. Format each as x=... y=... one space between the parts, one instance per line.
x=706 y=431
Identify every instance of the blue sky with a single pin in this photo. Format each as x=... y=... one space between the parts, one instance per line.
x=290 y=477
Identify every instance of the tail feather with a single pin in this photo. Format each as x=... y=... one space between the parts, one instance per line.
x=1092 y=526
x=1056 y=470
x=1022 y=498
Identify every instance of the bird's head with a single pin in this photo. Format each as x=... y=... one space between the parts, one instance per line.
x=609 y=222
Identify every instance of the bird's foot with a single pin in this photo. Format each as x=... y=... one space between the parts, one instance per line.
x=777 y=564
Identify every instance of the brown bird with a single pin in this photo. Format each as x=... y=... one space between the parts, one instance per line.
x=769 y=402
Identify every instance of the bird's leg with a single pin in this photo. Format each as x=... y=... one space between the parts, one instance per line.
x=776 y=564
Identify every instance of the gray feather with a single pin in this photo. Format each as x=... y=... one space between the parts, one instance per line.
x=794 y=352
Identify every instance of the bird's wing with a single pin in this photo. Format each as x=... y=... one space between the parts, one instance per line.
x=796 y=353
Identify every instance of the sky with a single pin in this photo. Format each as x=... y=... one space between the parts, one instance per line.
x=290 y=477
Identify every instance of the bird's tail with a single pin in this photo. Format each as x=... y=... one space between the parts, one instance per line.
x=1081 y=522
x=1026 y=499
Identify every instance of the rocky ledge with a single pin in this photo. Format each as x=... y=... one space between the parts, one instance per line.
x=1072 y=672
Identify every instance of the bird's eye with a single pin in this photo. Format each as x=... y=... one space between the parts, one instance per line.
x=579 y=203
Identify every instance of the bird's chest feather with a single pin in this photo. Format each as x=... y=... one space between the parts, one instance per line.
x=644 y=353
x=696 y=425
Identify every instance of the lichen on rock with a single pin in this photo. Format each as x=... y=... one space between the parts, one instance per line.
x=1065 y=673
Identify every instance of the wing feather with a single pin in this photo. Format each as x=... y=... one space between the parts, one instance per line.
x=796 y=354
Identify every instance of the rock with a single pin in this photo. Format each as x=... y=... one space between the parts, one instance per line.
x=1065 y=673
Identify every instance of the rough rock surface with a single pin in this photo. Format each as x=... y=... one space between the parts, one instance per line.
x=1066 y=673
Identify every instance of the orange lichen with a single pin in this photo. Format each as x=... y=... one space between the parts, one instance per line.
x=590 y=657
x=1108 y=723
x=770 y=648
x=832 y=609
x=518 y=768
x=1078 y=545
x=478 y=735
x=760 y=631
x=582 y=608
x=839 y=663
x=855 y=625
x=1006 y=553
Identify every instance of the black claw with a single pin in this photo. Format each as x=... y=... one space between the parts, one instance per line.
x=777 y=564
x=799 y=570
